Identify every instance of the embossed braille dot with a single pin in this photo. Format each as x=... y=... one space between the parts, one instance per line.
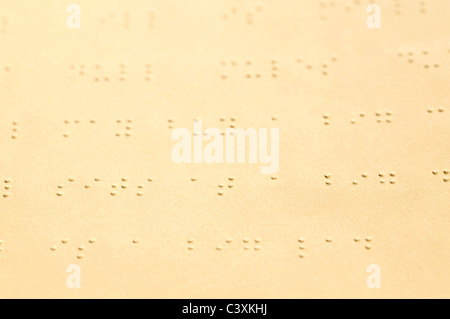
x=435 y=172
x=329 y=239
x=301 y=240
x=59 y=193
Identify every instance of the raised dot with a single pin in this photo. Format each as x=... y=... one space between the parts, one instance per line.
x=81 y=248
x=220 y=193
x=135 y=241
x=229 y=240
x=92 y=241
x=80 y=256
x=435 y=172
x=301 y=240
x=357 y=239
x=368 y=247
x=231 y=178
x=329 y=239
x=193 y=179
x=139 y=194
x=53 y=248
x=59 y=193
x=369 y=238
x=65 y=241
x=446 y=171
x=219 y=248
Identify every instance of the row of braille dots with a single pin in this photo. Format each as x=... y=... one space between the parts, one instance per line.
x=124 y=186
x=325 y=67
x=379 y=118
x=246 y=241
x=446 y=172
x=113 y=186
x=439 y=110
x=15 y=130
x=230 y=186
x=302 y=247
x=332 y=4
x=355 y=182
x=81 y=249
x=128 y=127
x=368 y=241
x=7 y=187
x=122 y=72
x=248 y=75
x=67 y=122
x=249 y=15
x=357 y=239
x=410 y=56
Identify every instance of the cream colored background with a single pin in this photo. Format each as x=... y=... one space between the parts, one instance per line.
x=408 y=221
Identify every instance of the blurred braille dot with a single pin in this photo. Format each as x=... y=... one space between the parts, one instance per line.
x=329 y=239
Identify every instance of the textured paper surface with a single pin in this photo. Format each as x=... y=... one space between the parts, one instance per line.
x=348 y=100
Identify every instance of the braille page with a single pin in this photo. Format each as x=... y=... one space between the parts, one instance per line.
x=224 y=149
